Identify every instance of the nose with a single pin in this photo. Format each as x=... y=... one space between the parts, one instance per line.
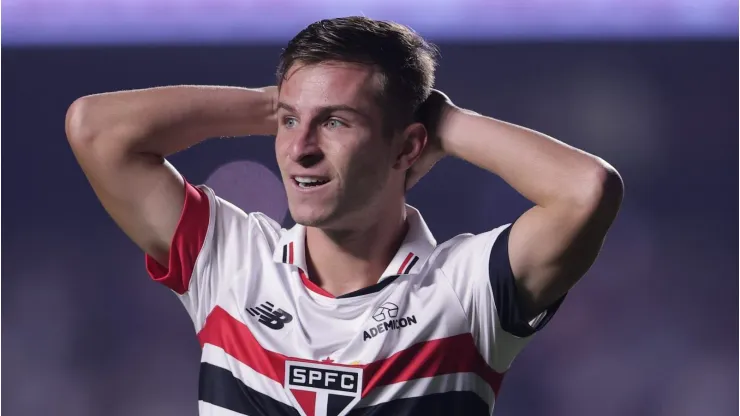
x=305 y=149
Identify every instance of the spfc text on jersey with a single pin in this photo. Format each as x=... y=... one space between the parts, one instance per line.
x=322 y=378
x=322 y=389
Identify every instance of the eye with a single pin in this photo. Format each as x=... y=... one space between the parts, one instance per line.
x=290 y=122
x=334 y=123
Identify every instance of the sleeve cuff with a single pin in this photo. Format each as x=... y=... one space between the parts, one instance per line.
x=187 y=242
x=508 y=303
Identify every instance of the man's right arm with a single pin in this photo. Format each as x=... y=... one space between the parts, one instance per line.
x=121 y=139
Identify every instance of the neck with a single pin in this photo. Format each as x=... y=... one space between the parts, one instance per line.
x=344 y=260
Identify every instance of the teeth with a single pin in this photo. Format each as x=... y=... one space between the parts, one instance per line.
x=306 y=180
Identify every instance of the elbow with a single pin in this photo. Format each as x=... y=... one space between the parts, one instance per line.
x=602 y=188
x=91 y=130
x=77 y=124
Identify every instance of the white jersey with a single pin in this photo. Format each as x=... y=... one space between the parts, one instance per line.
x=435 y=335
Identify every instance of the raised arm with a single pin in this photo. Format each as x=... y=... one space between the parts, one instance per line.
x=576 y=196
x=121 y=139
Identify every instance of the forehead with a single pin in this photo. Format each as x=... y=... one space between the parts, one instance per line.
x=308 y=86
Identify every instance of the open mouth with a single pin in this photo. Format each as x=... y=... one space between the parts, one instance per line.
x=306 y=182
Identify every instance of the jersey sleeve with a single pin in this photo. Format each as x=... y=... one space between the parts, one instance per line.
x=480 y=273
x=194 y=270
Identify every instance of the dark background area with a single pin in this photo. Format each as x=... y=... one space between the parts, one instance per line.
x=651 y=330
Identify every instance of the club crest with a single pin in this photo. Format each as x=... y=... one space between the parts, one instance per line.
x=322 y=390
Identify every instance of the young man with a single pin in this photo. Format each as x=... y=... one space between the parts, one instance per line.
x=355 y=310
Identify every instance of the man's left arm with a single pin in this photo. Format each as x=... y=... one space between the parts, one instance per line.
x=576 y=196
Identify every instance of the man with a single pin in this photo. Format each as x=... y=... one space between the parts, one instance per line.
x=355 y=310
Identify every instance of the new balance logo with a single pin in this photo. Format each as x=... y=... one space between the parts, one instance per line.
x=273 y=319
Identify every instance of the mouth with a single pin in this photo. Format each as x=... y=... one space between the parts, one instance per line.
x=309 y=182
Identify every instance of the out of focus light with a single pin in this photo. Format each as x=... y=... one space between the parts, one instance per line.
x=604 y=111
x=250 y=186
x=619 y=114
x=167 y=21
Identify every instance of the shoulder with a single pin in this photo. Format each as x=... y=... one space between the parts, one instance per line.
x=231 y=229
x=467 y=252
x=230 y=215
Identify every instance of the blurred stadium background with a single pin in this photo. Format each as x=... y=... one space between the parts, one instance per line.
x=647 y=84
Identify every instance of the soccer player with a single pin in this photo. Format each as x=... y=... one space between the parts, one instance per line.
x=356 y=309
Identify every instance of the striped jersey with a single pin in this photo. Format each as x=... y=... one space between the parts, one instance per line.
x=434 y=335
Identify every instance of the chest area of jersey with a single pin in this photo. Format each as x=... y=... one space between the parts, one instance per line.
x=325 y=357
x=285 y=317
x=328 y=358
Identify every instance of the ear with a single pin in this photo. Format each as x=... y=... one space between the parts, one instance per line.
x=412 y=143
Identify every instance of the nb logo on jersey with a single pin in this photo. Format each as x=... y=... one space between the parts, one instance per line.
x=273 y=319
x=322 y=390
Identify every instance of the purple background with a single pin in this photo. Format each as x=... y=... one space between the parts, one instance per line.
x=651 y=330
x=186 y=21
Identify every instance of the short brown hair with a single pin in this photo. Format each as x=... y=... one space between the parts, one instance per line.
x=406 y=61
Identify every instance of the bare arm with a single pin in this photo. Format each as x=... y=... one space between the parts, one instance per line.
x=120 y=140
x=577 y=196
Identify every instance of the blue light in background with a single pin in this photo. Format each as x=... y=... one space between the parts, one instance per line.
x=64 y=22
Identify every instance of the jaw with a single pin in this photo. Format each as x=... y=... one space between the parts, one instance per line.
x=311 y=207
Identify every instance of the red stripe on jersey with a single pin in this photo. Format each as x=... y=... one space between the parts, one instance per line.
x=313 y=286
x=405 y=262
x=456 y=354
x=187 y=242
x=223 y=331
x=290 y=253
x=307 y=399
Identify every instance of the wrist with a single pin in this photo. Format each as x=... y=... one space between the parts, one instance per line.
x=267 y=122
x=450 y=120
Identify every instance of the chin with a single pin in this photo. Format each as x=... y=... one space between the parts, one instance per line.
x=311 y=216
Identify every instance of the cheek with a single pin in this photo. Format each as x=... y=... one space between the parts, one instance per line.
x=281 y=155
x=282 y=142
x=368 y=164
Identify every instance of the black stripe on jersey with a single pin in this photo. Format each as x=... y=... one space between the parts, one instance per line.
x=505 y=292
x=370 y=289
x=411 y=265
x=441 y=404
x=219 y=387
x=285 y=253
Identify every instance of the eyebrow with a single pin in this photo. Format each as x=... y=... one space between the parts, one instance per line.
x=326 y=109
